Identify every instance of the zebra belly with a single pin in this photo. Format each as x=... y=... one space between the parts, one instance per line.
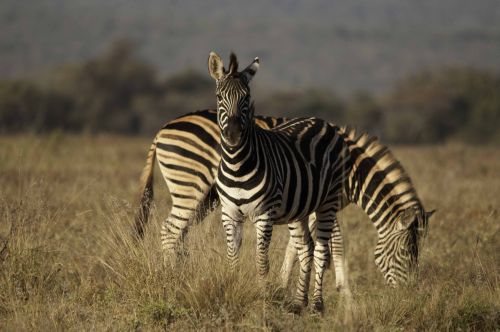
x=239 y=209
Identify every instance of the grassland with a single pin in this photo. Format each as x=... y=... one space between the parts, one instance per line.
x=69 y=263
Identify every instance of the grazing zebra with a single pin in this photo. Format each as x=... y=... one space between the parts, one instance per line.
x=188 y=153
x=303 y=166
x=375 y=181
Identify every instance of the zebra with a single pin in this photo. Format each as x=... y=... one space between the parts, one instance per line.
x=282 y=175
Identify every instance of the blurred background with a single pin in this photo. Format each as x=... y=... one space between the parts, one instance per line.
x=407 y=71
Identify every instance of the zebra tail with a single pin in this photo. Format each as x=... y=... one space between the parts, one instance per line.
x=146 y=193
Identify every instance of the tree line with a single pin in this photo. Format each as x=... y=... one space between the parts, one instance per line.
x=118 y=92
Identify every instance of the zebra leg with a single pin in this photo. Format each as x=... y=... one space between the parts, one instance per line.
x=337 y=253
x=288 y=262
x=207 y=205
x=291 y=254
x=324 y=225
x=233 y=228
x=264 y=228
x=299 y=233
x=173 y=229
x=185 y=209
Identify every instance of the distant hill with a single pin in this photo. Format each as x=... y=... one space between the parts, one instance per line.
x=343 y=45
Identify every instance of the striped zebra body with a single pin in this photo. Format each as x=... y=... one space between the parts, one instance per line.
x=301 y=167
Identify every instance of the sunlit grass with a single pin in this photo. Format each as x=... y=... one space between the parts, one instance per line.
x=67 y=206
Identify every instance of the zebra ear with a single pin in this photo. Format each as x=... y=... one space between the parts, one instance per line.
x=252 y=110
x=233 y=64
x=406 y=218
x=250 y=71
x=215 y=66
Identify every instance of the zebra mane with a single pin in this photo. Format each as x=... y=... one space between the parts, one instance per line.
x=370 y=147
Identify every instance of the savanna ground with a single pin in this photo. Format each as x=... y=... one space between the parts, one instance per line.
x=68 y=261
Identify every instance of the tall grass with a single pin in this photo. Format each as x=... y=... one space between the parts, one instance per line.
x=71 y=263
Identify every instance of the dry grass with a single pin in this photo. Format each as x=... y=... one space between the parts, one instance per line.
x=66 y=207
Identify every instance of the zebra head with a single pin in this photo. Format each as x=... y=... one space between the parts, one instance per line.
x=396 y=253
x=234 y=108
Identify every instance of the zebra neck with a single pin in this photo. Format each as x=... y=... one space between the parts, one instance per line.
x=377 y=183
x=383 y=204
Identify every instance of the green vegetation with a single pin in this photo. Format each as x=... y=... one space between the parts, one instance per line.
x=26 y=107
x=118 y=92
x=68 y=262
x=436 y=106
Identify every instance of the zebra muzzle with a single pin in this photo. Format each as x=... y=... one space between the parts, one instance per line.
x=232 y=132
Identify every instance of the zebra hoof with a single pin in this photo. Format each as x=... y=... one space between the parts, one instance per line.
x=318 y=306
x=169 y=260
x=296 y=307
x=279 y=294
